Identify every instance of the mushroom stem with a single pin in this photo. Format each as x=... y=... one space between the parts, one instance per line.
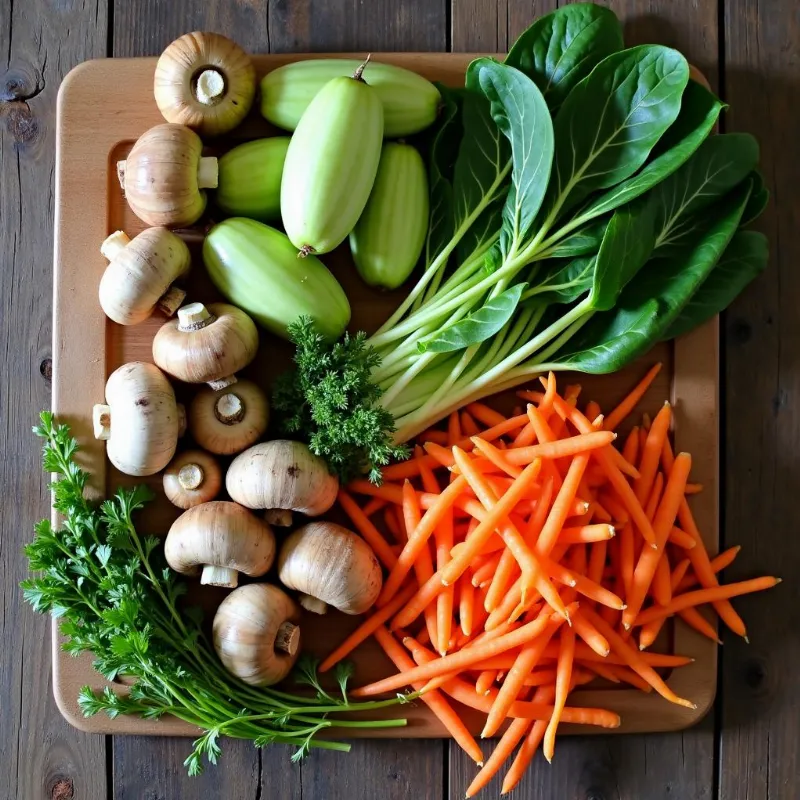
x=191 y=476
x=193 y=317
x=229 y=409
x=280 y=517
x=288 y=638
x=312 y=604
x=222 y=383
x=219 y=576
x=209 y=86
x=101 y=421
x=171 y=300
x=208 y=173
x=114 y=245
x=121 y=174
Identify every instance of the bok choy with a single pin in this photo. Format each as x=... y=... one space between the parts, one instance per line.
x=581 y=211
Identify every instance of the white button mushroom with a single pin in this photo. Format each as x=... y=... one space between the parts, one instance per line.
x=140 y=421
x=228 y=420
x=330 y=565
x=140 y=275
x=206 y=345
x=219 y=539
x=282 y=474
x=191 y=478
x=256 y=633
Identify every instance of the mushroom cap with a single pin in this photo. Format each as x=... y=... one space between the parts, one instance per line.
x=217 y=350
x=176 y=75
x=145 y=421
x=220 y=534
x=333 y=564
x=244 y=631
x=139 y=276
x=282 y=474
x=161 y=176
x=225 y=421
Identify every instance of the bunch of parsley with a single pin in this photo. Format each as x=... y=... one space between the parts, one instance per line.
x=116 y=597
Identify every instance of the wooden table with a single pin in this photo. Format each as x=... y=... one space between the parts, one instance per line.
x=748 y=747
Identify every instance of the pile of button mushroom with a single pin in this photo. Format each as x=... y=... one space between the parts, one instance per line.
x=257 y=627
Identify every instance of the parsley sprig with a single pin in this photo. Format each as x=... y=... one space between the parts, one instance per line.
x=116 y=597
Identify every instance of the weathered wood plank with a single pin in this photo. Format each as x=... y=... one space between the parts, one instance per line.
x=625 y=767
x=760 y=693
x=42 y=755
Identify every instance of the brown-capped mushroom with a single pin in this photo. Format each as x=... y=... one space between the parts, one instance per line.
x=140 y=421
x=206 y=82
x=139 y=277
x=257 y=634
x=330 y=565
x=191 y=478
x=206 y=345
x=219 y=539
x=164 y=175
x=282 y=474
x=226 y=421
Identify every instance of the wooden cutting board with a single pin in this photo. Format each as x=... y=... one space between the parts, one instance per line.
x=98 y=121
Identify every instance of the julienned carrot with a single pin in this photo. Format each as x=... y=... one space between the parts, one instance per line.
x=660 y=589
x=627 y=556
x=634 y=660
x=485 y=681
x=468 y=425
x=649 y=632
x=498 y=457
x=391 y=492
x=502 y=579
x=561 y=448
x=699 y=555
x=456 y=661
x=528 y=658
x=694 y=619
x=597 y=561
x=426 y=594
x=654 y=498
x=541 y=677
x=374 y=505
x=718 y=563
x=651 y=456
x=419 y=539
x=546 y=406
x=662 y=525
x=525 y=438
x=627 y=405
x=486 y=415
x=617 y=674
x=694 y=488
x=502 y=751
x=367 y=628
x=563 y=679
x=558 y=512
x=487 y=570
x=453 y=428
x=440 y=437
x=630 y=450
x=584 y=628
x=443 y=710
x=701 y=596
x=586 y=534
x=371 y=534
x=592 y=409
x=681 y=538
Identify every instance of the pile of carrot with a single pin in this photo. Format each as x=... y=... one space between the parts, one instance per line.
x=528 y=555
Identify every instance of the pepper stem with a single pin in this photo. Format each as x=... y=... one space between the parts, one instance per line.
x=288 y=638
x=113 y=245
x=210 y=87
x=360 y=71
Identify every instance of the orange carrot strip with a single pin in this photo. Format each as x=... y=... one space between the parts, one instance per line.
x=619 y=514
x=431 y=435
x=630 y=401
x=371 y=534
x=694 y=488
x=584 y=628
x=498 y=457
x=701 y=596
x=655 y=497
x=485 y=681
x=367 y=628
x=506 y=569
x=391 y=492
x=486 y=415
x=468 y=424
x=634 y=660
x=617 y=674
x=485 y=572
x=390 y=520
x=425 y=595
x=564 y=671
x=561 y=448
x=650 y=457
x=453 y=428
x=597 y=561
x=434 y=700
x=418 y=539
x=466 y=602
x=627 y=557
x=586 y=534
x=526 y=437
x=541 y=677
x=694 y=619
x=546 y=406
x=618 y=459
x=558 y=512
x=662 y=525
x=630 y=450
x=718 y=563
x=592 y=409
x=660 y=589
x=374 y=505
x=681 y=539
x=649 y=632
x=502 y=751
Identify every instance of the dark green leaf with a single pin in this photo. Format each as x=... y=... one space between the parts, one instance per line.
x=743 y=260
x=585 y=241
x=562 y=48
x=759 y=198
x=559 y=282
x=611 y=120
x=651 y=302
x=521 y=113
x=698 y=115
x=485 y=322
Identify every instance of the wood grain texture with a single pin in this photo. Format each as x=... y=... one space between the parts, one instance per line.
x=42 y=756
x=759 y=758
x=625 y=768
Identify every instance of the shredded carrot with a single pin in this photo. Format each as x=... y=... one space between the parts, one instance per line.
x=682 y=539
x=693 y=618
x=468 y=424
x=466 y=601
x=586 y=534
x=564 y=676
x=613 y=420
x=374 y=505
x=371 y=534
x=717 y=564
x=630 y=450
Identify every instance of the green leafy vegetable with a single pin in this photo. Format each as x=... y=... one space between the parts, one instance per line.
x=117 y=599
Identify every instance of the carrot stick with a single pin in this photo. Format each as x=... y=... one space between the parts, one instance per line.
x=694 y=488
x=661 y=591
x=619 y=514
x=590 y=634
x=617 y=674
x=506 y=569
x=453 y=428
x=431 y=435
x=694 y=619
x=366 y=629
x=485 y=681
x=502 y=751
x=564 y=672
x=630 y=450
x=649 y=632
x=600 y=513
x=485 y=572
x=561 y=448
x=528 y=658
x=718 y=563
x=634 y=660
x=540 y=677
x=665 y=518
x=374 y=505
x=654 y=497
x=627 y=557
x=391 y=492
x=699 y=556
x=526 y=437
x=485 y=415
x=597 y=561
x=418 y=539
x=457 y=661
x=558 y=512
x=586 y=534
x=696 y=598
x=592 y=409
x=627 y=405
x=681 y=539
x=371 y=534
x=466 y=601
x=434 y=700
x=390 y=520
x=468 y=424
x=651 y=455
x=498 y=457
x=425 y=595
x=546 y=406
